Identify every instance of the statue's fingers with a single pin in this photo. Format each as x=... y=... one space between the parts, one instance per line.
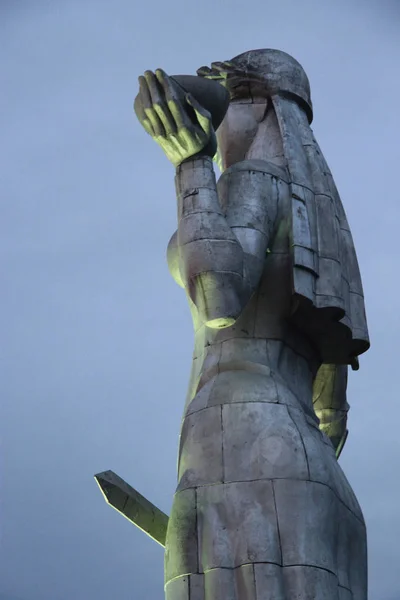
x=221 y=68
x=155 y=90
x=169 y=87
x=161 y=107
x=144 y=92
x=166 y=118
x=159 y=103
x=204 y=72
x=141 y=115
x=138 y=108
x=148 y=127
x=173 y=98
x=155 y=122
x=151 y=114
x=161 y=75
x=188 y=137
x=176 y=144
x=173 y=91
x=179 y=114
x=220 y=65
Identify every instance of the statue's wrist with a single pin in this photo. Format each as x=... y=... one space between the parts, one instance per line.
x=196 y=186
x=197 y=161
x=197 y=172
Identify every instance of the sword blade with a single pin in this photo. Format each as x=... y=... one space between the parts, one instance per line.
x=133 y=506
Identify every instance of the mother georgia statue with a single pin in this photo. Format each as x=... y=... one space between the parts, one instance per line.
x=262 y=509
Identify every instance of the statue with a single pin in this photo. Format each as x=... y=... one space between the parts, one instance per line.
x=262 y=509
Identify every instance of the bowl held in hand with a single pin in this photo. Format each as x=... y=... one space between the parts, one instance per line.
x=211 y=95
x=208 y=93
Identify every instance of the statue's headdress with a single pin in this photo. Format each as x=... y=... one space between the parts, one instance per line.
x=263 y=72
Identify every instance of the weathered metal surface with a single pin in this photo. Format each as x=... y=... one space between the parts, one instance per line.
x=269 y=582
x=307 y=519
x=236 y=525
x=182 y=533
x=316 y=584
x=262 y=509
x=261 y=441
x=201 y=454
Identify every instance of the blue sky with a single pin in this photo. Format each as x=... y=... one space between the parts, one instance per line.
x=96 y=337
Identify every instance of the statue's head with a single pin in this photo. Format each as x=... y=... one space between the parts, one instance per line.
x=252 y=79
x=263 y=73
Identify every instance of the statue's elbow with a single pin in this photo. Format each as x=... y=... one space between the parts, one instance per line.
x=223 y=310
x=218 y=297
x=221 y=322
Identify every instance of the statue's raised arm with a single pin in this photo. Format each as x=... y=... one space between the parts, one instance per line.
x=218 y=266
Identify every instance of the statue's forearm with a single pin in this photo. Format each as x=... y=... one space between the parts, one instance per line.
x=330 y=403
x=211 y=258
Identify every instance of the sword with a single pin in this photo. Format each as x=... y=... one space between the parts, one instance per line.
x=133 y=506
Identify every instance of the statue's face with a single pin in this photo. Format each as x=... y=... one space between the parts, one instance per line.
x=237 y=131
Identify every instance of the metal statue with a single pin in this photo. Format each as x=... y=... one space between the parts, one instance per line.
x=262 y=509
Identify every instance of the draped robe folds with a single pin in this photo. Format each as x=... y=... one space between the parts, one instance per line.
x=328 y=300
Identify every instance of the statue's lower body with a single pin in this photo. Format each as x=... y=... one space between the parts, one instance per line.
x=262 y=511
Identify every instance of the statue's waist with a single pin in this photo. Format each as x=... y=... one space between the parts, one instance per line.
x=253 y=382
x=233 y=365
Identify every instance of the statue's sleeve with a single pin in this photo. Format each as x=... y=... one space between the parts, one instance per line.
x=220 y=248
x=330 y=403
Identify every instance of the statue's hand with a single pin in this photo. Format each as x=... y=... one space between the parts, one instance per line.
x=174 y=118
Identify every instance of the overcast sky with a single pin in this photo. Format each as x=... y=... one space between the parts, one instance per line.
x=96 y=337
